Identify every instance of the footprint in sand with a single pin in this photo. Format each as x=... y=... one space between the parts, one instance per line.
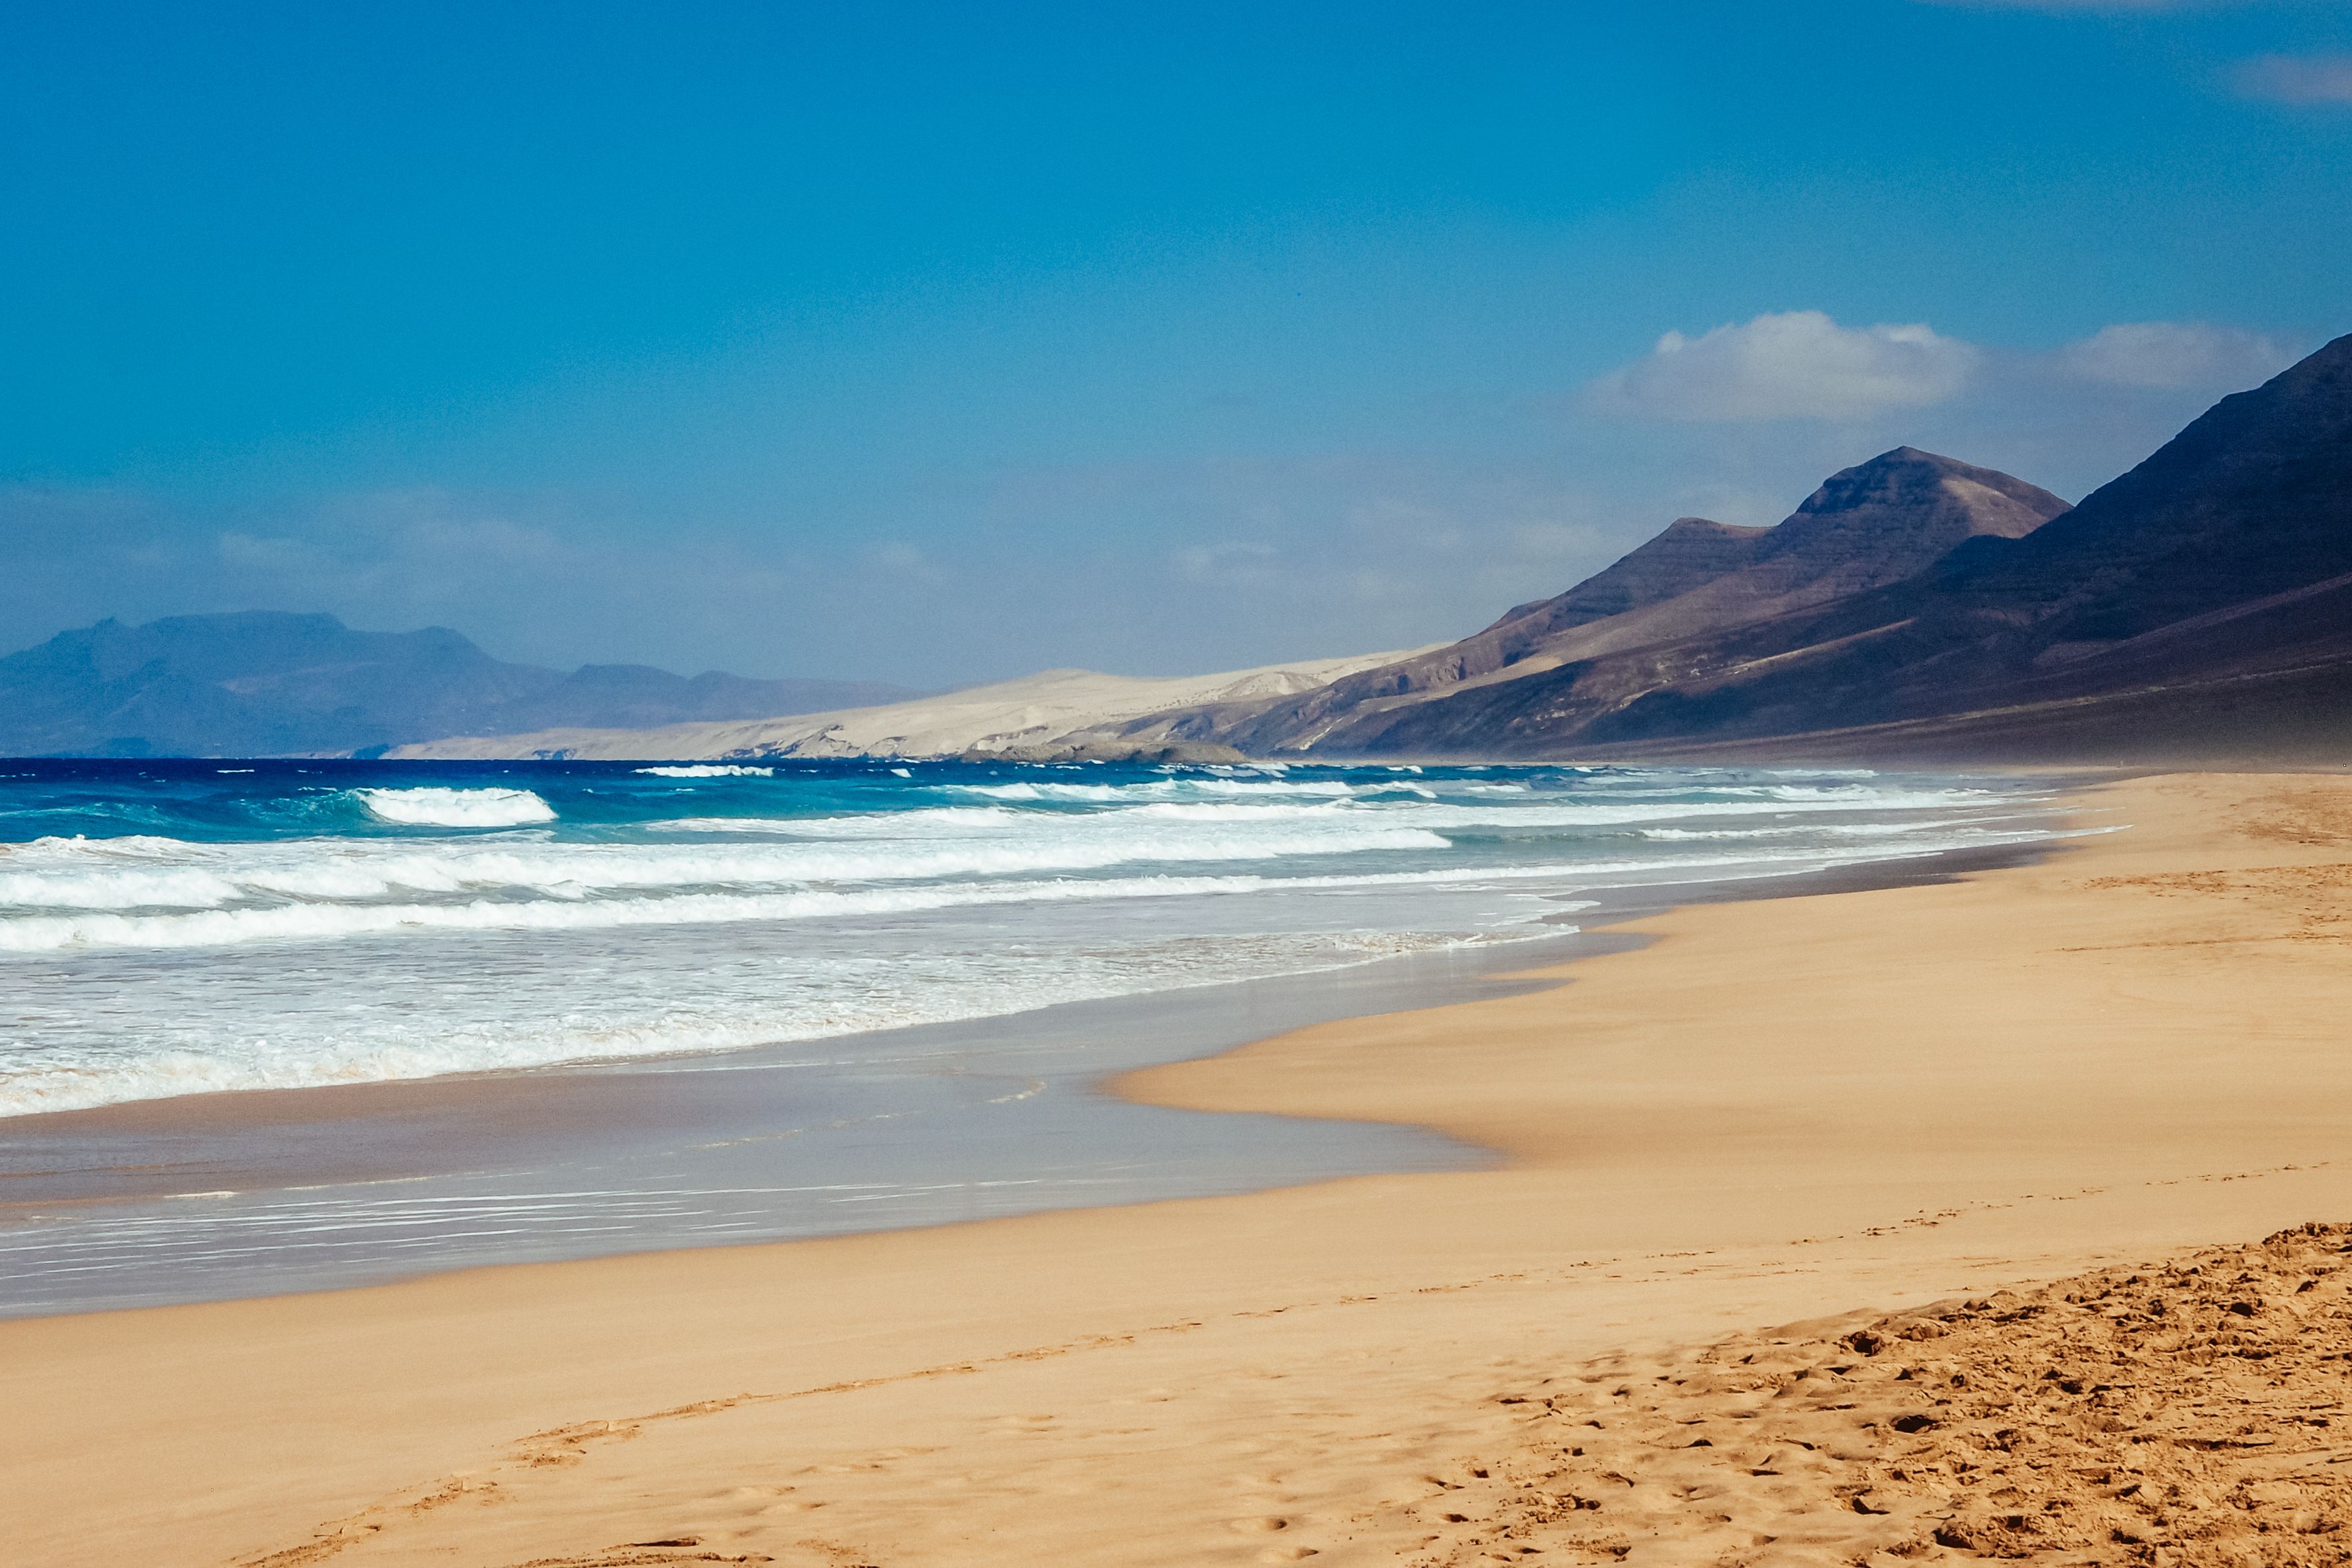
x=1266 y=1524
x=1023 y=1424
x=1284 y=1554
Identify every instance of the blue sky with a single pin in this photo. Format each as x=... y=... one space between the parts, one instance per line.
x=940 y=343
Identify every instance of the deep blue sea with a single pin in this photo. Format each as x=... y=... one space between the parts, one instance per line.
x=171 y=928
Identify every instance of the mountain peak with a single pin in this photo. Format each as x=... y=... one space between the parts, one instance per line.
x=1909 y=476
x=1894 y=516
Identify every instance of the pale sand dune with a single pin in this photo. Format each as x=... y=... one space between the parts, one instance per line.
x=1850 y=1104
x=1033 y=710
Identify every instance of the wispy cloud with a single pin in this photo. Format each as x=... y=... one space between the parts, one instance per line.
x=1246 y=561
x=1797 y=365
x=2066 y=7
x=2297 y=78
x=2174 y=354
x=1801 y=364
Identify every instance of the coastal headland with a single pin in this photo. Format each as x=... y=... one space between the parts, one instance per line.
x=1835 y=1107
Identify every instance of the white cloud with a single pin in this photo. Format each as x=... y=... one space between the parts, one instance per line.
x=1799 y=365
x=2176 y=355
x=2297 y=78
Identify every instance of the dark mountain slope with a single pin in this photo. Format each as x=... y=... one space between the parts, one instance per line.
x=2217 y=558
x=1691 y=552
x=2198 y=605
x=262 y=684
x=2255 y=497
x=1878 y=522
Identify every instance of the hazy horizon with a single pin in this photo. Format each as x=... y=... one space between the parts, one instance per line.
x=932 y=346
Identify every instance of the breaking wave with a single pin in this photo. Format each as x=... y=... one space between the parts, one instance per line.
x=437 y=807
x=710 y=771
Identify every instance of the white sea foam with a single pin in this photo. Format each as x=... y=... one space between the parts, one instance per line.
x=853 y=1003
x=1832 y=829
x=321 y=922
x=711 y=771
x=1337 y=801
x=313 y=922
x=997 y=841
x=996 y=820
x=91 y=874
x=352 y=955
x=435 y=807
x=1159 y=790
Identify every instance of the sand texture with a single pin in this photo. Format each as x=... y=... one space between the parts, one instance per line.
x=2189 y=1414
x=1857 y=1111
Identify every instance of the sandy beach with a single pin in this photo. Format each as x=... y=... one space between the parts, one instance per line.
x=1817 y=1111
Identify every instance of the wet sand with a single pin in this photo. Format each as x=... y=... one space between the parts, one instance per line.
x=1860 y=1102
x=216 y=1196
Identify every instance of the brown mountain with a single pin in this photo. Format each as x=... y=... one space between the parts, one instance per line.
x=1878 y=522
x=2200 y=605
x=1692 y=552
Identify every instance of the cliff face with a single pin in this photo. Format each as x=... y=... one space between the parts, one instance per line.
x=263 y=684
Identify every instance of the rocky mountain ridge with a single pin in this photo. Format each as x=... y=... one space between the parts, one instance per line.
x=1917 y=606
x=1875 y=523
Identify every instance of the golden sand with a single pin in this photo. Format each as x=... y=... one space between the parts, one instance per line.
x=1857 y=1103
x=2192 y=1414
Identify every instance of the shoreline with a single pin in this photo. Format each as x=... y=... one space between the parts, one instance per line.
x=1774 y=1110
x=182 y=1199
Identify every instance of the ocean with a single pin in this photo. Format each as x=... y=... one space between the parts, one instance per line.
x=825 y=995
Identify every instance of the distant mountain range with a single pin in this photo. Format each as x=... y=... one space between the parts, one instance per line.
x=2200 y=606
x=1913 y=607
x=266 y=684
